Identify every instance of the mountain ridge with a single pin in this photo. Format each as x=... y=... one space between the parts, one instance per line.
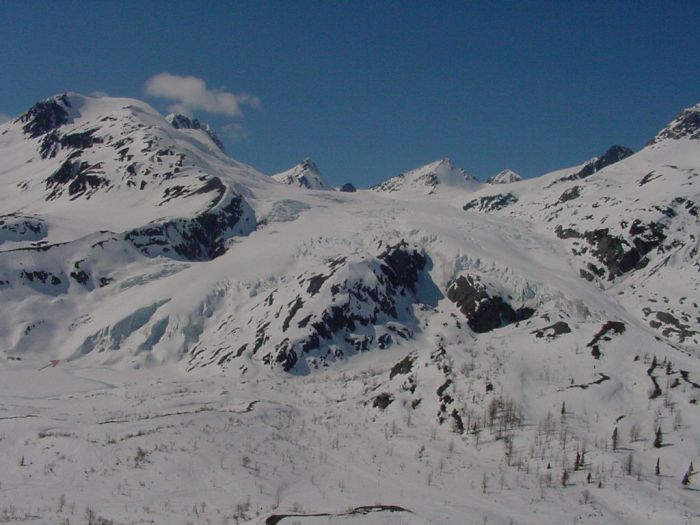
x=433 y=309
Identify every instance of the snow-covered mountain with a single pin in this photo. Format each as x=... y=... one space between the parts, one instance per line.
x=685 y=125
x=438 y=177
x=433 y=349
x=505 y=176
x=304 y=175
x=77 y=166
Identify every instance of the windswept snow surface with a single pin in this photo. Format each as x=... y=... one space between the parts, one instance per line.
x=185 y=340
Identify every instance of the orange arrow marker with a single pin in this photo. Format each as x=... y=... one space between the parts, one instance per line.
x=52 y=364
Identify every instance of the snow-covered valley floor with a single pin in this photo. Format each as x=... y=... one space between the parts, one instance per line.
x=158 y=446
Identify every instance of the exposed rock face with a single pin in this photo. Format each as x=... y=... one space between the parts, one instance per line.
x=606 y=332
x=611 y=156
x=490 y=203
x=183 y=122
x=570 y=194
x=403 y=367
x=680 y=328
x=553 y=331
x=507 y=176
x=402 y=265
x=199 y=238
x=76 y=179
x=351 y=305
x=348 y=187
x=685 y=125
x=617 y=254
x=484 y=312
x=52 y=143
x=45 y=116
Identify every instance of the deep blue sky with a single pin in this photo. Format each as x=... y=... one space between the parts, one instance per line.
x=370 y=89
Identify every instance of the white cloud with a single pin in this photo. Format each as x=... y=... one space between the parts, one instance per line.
x=236 y=132
x=4 y=118
x=191 y=93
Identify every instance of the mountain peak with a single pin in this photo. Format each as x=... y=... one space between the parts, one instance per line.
x=444 y=161
x=308 y=164
x=429 y=178
x=506 y=176
x=304 y=175
x=179 y=121
x=612 y=155
x=46 y=115
x=685 y=125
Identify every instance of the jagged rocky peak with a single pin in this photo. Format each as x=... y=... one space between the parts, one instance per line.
x=179 y=121
x=429 y=178
x=685 y=125
x=304 y=175
x=46 y=115
x=505 y=177
x=612 y=155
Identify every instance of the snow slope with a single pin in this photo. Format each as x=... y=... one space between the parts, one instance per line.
x=435 y=350
x=438 y=177
x=505 y=176
x=304 y=175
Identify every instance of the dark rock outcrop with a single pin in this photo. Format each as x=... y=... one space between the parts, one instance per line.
x=570 y=194
x=611 y=156
x=401 y=265
x=484 y=312
x=194 y=239
x=53 y=142
x=403 y=367
x=619 y=256
x=553 y=331
x=606 y=332
x=183 y=122
x=77 y=178
x=685 y=125
x=491 y=202
x=45 y=116
x=383 y=400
